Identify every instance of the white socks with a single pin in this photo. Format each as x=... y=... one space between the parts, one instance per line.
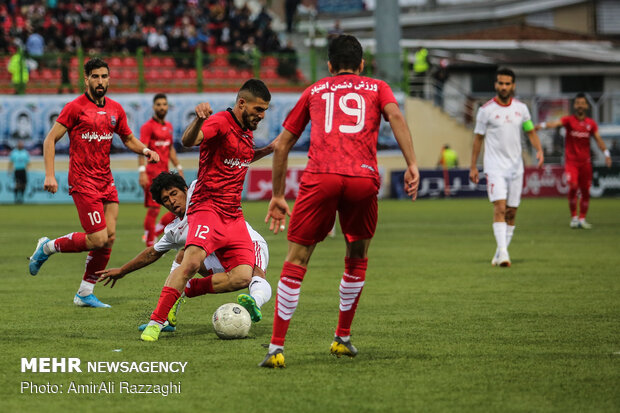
x=260 y=290
x=499 y=230
x=510 y=230
x=155 y=323
x=273 y=348
x=49 y=248
x=85 y=289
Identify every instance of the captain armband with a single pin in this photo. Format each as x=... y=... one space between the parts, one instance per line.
x=528 y=126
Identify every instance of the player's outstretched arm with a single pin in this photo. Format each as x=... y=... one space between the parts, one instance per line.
x=134 y=145
x=146 y=257
x=540 y=155
x=192 y=135
x=49 y=153
x=548 y=125
x=475 y=152
x=260 y=153
x=403 y=137
x=278 y=207
x=603 y=148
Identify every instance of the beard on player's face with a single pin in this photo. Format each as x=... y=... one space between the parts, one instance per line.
x=161 y=113
x=250 y=121
x=505 y=93
x=98 y=91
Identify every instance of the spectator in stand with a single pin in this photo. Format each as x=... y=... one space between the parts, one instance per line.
x=157 y=40
x=335 y=31
x=35 y=45
x=65 y=81
x=440 y=77
x=19 y=71
x=290 y=10
x=287 y=62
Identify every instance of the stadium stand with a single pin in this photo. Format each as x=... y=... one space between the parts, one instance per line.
x=157 y=42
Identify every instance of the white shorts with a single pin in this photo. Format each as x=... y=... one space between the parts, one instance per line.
x=213 y=265
x=508 y=188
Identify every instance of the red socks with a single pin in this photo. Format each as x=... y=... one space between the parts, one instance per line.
x=96 y=261
x=199 y=286
x=351 y=287
x=286 y=300
x=167 y=298
x=73 y=242
x=149 y=225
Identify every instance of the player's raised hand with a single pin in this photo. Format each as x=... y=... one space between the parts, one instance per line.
x=473 y=175
x=277 y=212
x=412 y=181
x=203 y=110
x=110 y=274
x=50 y=184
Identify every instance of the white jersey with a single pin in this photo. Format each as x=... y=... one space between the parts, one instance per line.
x=501 y=126
x=175 y=236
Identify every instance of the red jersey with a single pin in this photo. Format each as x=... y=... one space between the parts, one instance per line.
x=225 y=155
x=91 y=128
x=345 y=111
x=578 y=132
x=157 y=137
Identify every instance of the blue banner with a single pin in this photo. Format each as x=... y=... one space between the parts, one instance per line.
x=126 y=184
x=432 y=184
x=29 y=118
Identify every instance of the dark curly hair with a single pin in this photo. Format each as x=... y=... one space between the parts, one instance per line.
x=95 y=63
x=166 y=180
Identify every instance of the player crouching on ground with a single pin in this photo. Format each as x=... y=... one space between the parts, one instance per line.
x=170 y=190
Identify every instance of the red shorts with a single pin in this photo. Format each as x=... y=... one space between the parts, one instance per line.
x=227 y=237
x=90 y=208
x=321 y=195
x=579 y=175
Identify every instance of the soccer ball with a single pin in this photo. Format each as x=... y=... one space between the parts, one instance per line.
x=231 y=321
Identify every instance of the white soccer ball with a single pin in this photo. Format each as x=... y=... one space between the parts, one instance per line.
x=231 y=321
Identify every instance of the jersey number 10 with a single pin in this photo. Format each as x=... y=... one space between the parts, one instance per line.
x=359 y=111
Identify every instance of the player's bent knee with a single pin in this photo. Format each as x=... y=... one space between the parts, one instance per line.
x=97 y=240
x=239 y=278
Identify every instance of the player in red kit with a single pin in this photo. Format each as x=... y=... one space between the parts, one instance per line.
x=577 y=161
x=156 y=134
x=341 y=176
x=91 y=120
x=214 y=216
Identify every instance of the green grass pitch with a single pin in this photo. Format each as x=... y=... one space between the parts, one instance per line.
x=438 y=329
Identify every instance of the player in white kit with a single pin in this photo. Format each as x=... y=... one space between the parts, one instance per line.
x=171 y=191
x=499 y=123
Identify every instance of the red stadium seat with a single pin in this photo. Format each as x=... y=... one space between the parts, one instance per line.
x=220 y=61
x=268 y=73
x=129 y=61
x=115 y=62
x=168 y=62
x=269 y=61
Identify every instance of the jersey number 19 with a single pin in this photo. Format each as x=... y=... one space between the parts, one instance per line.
x=359 y=111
